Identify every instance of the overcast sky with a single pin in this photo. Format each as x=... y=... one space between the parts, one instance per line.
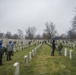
x=21 y=14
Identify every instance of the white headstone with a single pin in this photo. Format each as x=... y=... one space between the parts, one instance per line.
x=33 y=53
x=71 y=54
x=35 y=50
x=16 y=65
x=30 y=56
x=14 y=49
x=26 y=60
x=65 y=52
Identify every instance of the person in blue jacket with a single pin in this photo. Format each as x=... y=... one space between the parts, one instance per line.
x=1 y=52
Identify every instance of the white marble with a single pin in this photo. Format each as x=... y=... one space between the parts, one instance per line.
x=30 y=56
x=26 y=60
x=33 y=53
x=16 y=66
x=71 y=54
x=65 y=52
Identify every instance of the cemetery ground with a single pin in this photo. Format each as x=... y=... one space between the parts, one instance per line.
x=7 y=68
x=42 y=64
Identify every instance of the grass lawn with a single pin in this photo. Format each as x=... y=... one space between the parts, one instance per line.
x=42 y=64
x=7 y=68
x=45 y=64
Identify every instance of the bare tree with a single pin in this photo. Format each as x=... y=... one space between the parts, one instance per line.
x=20 y=33
x=1 y=35
x=30 y=32
x=74 y=26
x=44 y=36
x=72 y=30
x=15 y=36
x=38 y=36
x=8 y=35
x=50 y=30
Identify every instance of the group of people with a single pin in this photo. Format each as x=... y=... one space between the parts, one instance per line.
x=10 y=46
x=60 y=47
x=9 y=52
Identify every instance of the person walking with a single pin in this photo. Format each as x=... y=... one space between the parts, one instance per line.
x=53 y=48
x=1 y=53
x=9 y=50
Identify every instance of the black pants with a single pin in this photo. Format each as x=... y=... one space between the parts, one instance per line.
x=53 y=50
x=9 y=54
x=1 y=59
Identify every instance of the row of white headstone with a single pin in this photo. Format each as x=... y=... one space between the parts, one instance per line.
x=49 y=44
x=70 y=53
x=26 y=59
x=20 y=47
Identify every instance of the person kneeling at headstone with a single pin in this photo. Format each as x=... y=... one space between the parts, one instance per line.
x=9 y=50
x=60 y=47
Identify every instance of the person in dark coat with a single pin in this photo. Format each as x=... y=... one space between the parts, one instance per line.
x=53 y=48
x=29 y=43
x=60 y=47
x=1 y=53
x=9 y=50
